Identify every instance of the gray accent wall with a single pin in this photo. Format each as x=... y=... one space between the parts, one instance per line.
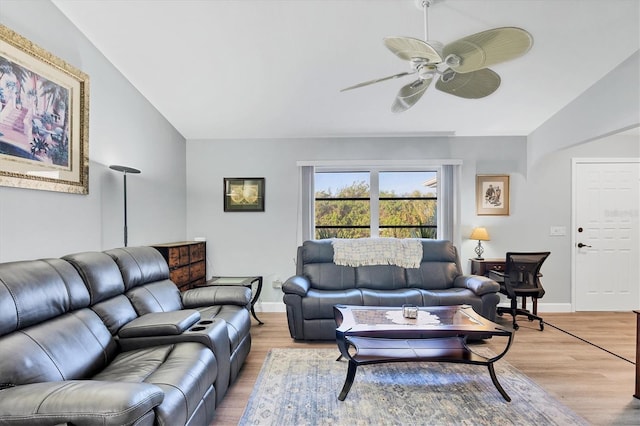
x=124 y=129
x=264 y=243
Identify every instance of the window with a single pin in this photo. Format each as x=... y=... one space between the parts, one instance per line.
x=375 y=202
x=438 y=188
x=408 y=204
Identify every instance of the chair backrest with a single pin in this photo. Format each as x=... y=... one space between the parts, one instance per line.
x=522 y=270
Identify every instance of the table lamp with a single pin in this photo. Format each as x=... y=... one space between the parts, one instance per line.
x=479 y=234
x=125 y=170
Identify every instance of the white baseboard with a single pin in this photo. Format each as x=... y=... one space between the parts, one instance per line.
x=542 y=307
x=270 y=307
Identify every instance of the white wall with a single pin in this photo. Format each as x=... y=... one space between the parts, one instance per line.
x=124 y=129
x=546 y=201
x=611 y=104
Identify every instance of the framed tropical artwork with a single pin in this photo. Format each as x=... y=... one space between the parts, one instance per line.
x=44 y=119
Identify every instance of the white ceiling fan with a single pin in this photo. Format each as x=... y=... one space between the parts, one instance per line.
x=460 y=67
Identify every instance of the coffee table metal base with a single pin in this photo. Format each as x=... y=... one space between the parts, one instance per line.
x=379 y=334
x=447 y=349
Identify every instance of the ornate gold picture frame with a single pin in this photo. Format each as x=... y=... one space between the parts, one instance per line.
x=243 y=194
x=492 y=195
x=44 y=119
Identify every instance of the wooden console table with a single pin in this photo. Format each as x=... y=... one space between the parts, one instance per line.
x=484 y=266
x=637 y=394
x=187 y=262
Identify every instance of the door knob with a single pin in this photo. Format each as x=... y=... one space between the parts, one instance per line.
x=580 y=245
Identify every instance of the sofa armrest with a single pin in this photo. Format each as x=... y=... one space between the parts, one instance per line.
x=297 y=285
x=477 y=283
x=160 y=324
x=78 y=402
x=216 y=295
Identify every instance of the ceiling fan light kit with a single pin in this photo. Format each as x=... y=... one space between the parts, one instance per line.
x=460 y=68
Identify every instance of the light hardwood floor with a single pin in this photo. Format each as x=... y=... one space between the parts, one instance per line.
x=595 y=384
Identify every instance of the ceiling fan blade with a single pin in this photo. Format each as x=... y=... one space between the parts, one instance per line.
x=378 y=80
x=488 y=48
x=407 y=48
x=471 y=85
x=410 y=94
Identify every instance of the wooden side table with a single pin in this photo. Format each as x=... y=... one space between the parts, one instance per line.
x=244 y=282
x=484 y=266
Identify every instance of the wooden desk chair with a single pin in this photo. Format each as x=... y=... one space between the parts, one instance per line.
x=521 y=278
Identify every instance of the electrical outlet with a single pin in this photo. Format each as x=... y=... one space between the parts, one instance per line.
x=557 y=231
x=276 y=284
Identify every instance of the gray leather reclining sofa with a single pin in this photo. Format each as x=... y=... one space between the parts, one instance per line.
x=319 y=284
x=106 y=338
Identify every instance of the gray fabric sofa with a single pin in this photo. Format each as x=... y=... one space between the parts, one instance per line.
x=319 y=284
x=106 y=338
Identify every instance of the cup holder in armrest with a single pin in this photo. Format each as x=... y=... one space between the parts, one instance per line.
x=197 y=328
x=205 y=322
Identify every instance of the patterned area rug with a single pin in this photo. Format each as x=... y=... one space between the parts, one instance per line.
x=301 y=386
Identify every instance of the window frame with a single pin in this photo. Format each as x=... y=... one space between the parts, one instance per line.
x=374 y=193
x=450 y=173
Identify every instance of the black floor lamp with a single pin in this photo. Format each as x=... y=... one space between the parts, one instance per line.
x=125 y=170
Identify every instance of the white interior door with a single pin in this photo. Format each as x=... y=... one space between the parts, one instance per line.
x=606 y=258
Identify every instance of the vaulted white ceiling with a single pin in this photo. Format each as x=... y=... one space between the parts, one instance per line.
x=274 y=68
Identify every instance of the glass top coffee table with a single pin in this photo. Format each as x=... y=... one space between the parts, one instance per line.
x=374 y=335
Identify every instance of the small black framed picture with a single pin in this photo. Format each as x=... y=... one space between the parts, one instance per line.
x=244 y=194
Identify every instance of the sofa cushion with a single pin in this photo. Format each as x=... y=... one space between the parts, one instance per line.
x=236 y=317
x=80 y=402
x=139 y=265
x=439 y=251
x=380 y=277
x=317 y=251
x=329 y=276
x=146 y=278
x=319 y=303
x=448 y=297
x=391 y=297
x=159 y=296
x=99 y=272
x=184 y=371
x=25 y=284
x=103 y=279
x=72 y=346
x=115 y=312
x=434 y=275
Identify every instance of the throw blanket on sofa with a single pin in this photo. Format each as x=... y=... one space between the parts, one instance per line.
x=406 y=253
